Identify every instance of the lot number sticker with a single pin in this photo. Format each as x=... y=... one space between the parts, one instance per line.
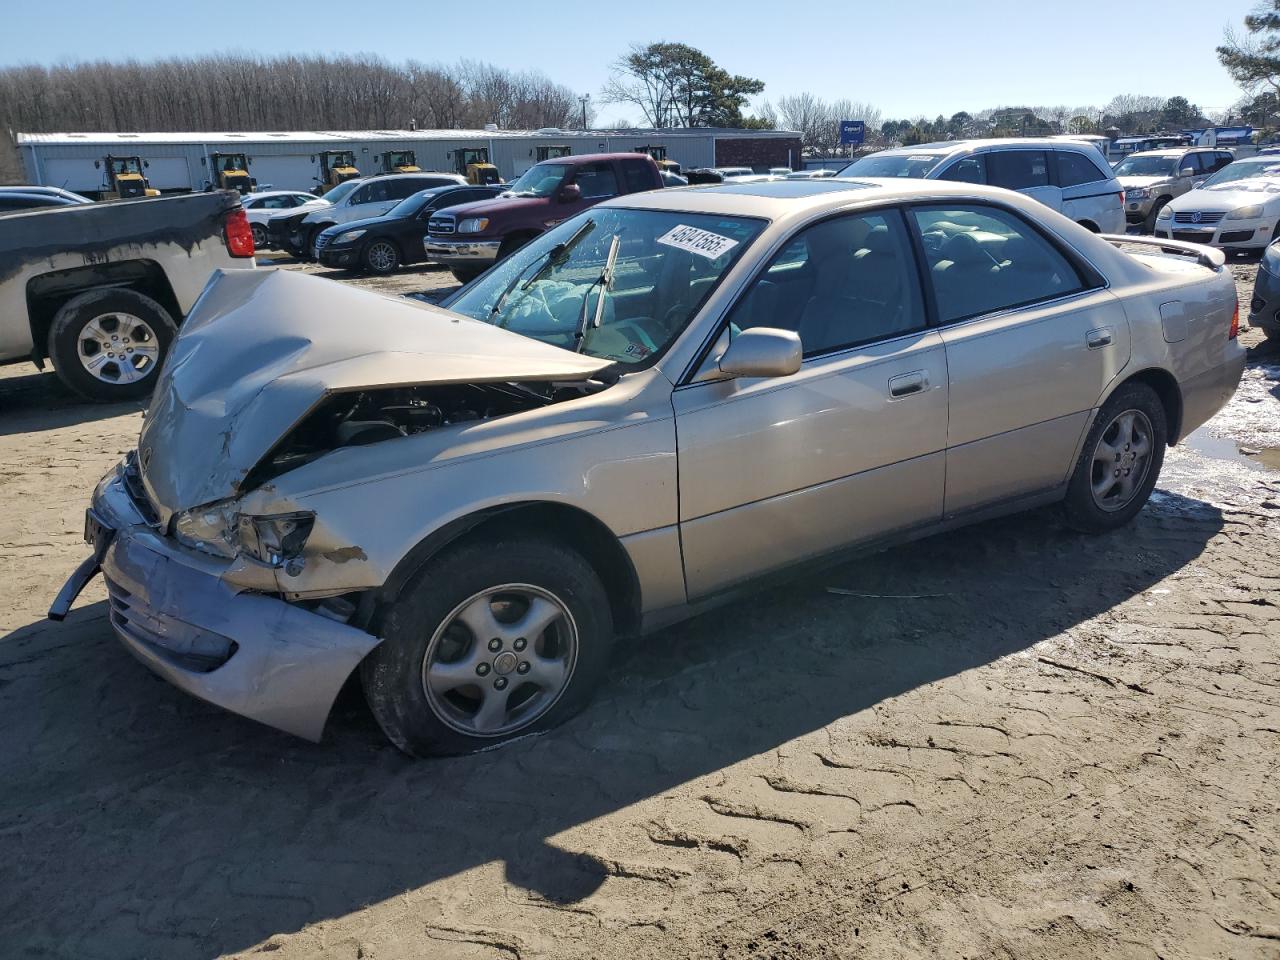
x=702 y=242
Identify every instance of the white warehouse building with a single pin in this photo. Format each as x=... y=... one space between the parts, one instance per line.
x=180 y=162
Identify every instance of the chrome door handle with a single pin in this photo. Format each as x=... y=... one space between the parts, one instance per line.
x=906 y=384
x=1099 y=337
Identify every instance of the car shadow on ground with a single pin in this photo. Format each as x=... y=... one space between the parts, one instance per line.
x=38 y=402
x=222 y=832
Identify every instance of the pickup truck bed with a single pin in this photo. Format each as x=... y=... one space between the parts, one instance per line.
x=100 y=289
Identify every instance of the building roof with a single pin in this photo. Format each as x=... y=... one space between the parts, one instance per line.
x=345 y=136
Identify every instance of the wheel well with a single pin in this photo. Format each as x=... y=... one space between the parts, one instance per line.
x=1090 y=226
x=567 y=525
x=48 y=292
x=1166 y=388
x=517 y=238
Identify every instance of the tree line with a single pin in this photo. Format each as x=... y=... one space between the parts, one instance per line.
x=240 y=92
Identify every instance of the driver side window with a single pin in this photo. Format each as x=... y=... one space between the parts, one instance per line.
x=844 y=281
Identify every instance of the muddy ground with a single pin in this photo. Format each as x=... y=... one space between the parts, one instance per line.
x=1012 y=741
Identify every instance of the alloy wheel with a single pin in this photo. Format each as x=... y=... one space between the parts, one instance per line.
x=500 y=660
x=118 y=348
x=381 y=256
x=1121 y=460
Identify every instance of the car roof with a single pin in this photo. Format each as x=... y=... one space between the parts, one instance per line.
x=776 y=198
x=1162 y=152
x=256 y=194
x=958 y=146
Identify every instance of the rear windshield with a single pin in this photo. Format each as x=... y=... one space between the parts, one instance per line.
x=915 y=165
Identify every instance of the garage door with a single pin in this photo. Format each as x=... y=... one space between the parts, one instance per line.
x=71 y=175
x=284 y=172
x=169 y=173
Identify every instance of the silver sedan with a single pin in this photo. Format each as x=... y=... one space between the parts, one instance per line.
x=638 y=415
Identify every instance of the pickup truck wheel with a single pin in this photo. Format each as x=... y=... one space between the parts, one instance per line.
x=1120 y=462
x=466 y=274
x=107 y=345
x=493 y=640
x=381 y=257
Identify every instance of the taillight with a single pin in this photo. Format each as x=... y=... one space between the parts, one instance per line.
x=238 y=234
x=1235 y=323
x=1121 y=199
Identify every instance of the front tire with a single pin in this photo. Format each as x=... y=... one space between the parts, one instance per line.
x=495 y=639
x=1120 y=462
x=108 y=345
x=1149 y=224
x=380 y=257
x=466 y=274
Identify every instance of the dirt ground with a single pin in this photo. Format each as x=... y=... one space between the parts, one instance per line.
x=1012 y=741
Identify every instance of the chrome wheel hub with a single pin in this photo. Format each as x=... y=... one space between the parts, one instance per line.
x=500 y=660
x=118 y=348
x=1121 y=460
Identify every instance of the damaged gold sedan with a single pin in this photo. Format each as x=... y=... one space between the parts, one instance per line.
x=642 y=411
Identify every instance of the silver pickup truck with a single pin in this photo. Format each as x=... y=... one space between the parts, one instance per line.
x=100 y=289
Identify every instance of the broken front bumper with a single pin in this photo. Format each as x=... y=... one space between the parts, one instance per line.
x=250 y=653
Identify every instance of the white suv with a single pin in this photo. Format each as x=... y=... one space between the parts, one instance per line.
x=1072 y=178
x=372 y=198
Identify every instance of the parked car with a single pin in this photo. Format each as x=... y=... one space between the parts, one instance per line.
x=101 y=288
x=13 y=200
x=262 y=206
x=1264 y=308
x=1154 y=177
x=1066 y=176
x=383 y=244
x=471 y=238
x=67 y=195
x=780 y=171
x=638 y=414
x=372 y=197
x=283 y=229
x=1237 y=209
x=814 y=173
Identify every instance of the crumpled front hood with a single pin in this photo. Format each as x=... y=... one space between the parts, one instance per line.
x=262 y=347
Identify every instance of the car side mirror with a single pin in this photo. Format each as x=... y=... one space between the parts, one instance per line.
x=570 y=193
x=1186 y=172
x=763 y=352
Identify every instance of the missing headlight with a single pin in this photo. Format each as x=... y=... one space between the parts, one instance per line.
x=275 y=540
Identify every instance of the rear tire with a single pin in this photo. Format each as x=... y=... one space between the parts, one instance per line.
x=108 y=345
x=1120 y=462
x=495 y=639
x=259 y=236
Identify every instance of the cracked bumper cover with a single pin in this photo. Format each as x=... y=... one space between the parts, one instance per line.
x=249 y=653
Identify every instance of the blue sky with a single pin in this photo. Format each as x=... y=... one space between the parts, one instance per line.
x=908 y=58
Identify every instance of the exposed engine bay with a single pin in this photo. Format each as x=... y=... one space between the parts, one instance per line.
x=372 y=416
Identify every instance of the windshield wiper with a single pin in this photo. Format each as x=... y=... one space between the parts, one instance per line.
x=605 y=282
x=551 y=259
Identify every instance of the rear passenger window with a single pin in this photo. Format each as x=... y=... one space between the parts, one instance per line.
x=1017 y=169
x=636 y=176
x=982 y=259
x=844 y=281
x=1075 y=169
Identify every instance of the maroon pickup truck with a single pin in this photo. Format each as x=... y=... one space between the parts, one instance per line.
x=470 y=238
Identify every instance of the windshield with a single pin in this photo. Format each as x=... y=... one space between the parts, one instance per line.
x=664 y=266
x=1243 y=169
x=410 y=205
x=1146 y=167
x=916 y=165
x=341 y=190
x=539 y=180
